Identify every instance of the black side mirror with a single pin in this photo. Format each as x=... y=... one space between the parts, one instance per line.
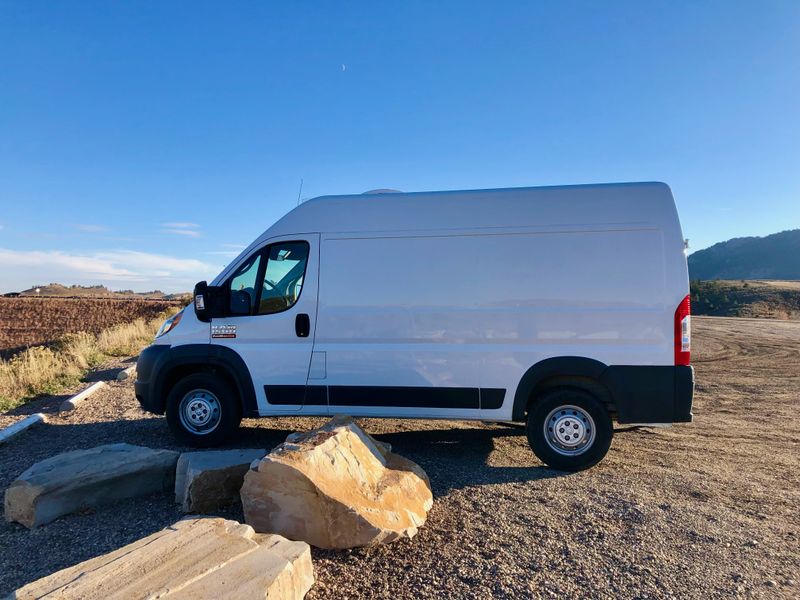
x=199 y=299
x=209 y=301
x=241 y=303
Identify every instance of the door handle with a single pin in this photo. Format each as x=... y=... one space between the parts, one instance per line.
x=302 y=325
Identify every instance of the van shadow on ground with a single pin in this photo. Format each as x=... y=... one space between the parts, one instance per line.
x=453 y=458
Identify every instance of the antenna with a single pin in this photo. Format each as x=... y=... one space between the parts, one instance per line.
x=300 y=191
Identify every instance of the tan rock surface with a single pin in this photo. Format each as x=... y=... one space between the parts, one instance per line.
x=195 y=558
x=336 y=487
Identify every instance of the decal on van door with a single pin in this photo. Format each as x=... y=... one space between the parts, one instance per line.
x=223 y=331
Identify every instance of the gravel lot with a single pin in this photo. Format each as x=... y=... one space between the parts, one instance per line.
x=696 y=510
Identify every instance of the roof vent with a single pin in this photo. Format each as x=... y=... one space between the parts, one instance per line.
x=383 y=191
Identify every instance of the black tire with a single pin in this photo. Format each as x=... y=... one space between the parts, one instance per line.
x=206 y=391
x=577 y=409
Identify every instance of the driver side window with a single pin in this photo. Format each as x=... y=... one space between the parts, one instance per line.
x=283 y=276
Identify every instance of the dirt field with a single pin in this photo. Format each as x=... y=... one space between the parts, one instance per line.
x=706 y=509
x=32 y=321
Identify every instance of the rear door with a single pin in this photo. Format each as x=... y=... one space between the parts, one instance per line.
x=277 y=286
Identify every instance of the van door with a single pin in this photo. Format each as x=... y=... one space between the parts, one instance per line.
x=399 y=327
x=274 y=306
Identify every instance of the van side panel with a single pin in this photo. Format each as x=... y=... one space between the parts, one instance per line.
x=476 y=309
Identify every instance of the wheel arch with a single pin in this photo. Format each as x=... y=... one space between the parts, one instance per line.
x=562 y=371
x=207 y=358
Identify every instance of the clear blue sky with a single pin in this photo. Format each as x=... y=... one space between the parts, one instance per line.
x=142 y=144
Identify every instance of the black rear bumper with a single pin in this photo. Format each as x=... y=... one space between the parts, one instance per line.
x=650 y=394
x=684 y=394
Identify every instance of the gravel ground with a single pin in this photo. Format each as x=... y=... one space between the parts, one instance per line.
x=698 y=510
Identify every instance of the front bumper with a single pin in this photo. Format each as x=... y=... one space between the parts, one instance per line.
x=147 y=368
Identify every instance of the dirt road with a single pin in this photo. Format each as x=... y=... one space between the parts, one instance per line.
x=698 y=510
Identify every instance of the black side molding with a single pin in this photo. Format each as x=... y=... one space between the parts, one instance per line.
x=404 y=396
x=492 y=398
x=390 y=396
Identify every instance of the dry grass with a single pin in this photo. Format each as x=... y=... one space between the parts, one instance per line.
x=49 y=370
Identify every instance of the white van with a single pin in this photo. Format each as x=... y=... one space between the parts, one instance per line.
x=559 y=307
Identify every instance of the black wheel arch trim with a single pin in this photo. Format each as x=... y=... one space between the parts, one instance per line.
x=640 y=393
x=157 y=363
x=560 y=366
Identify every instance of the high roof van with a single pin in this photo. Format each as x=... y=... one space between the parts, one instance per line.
x=563 y=308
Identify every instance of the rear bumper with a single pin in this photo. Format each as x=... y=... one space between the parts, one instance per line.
x=684 y=394
x=649 y=394
x=151 y=361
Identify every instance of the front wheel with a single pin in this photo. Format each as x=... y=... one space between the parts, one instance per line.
x=203 y=410
x=569 y=429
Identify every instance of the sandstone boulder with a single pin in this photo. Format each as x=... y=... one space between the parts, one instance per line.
x=81 y=479
x=336 y=487
x=209 y=479
x=193 y=559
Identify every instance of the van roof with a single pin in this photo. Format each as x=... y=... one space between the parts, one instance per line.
x=541 y=207
x=460 y=209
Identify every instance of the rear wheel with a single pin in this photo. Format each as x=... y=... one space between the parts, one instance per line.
x=203 y=410
x=569 y=429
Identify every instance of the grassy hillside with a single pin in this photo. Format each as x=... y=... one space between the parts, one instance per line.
x=756 y=298
x=775 y=256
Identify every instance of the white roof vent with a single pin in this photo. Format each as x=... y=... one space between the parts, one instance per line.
x=382 y=191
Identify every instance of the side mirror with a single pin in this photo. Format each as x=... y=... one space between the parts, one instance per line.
x=199 y=299
x=209 y=301
x=241 y=303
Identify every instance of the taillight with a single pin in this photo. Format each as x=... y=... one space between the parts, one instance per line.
x=683 y=333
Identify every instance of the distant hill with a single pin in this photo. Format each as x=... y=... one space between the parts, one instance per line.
x=57 y=290
x=775 y=256
x=760 y=299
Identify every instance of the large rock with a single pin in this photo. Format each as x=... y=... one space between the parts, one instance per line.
x=81 y=479
x=336 y=487
x=209 y=479
x=193 y=559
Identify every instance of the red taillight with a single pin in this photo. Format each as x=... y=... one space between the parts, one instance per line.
x=683 y=333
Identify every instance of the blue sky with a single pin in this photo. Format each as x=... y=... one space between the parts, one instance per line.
x=143 y=144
